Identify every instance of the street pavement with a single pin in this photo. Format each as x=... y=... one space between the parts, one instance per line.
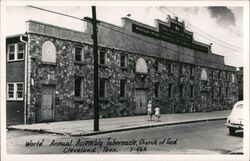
x=210 y=137
x=107 y=125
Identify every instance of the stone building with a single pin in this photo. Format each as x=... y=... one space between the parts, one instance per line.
x=137 y=63
x=240 y=79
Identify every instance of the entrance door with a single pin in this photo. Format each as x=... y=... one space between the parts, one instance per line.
x=47 y=112
x=141 y=101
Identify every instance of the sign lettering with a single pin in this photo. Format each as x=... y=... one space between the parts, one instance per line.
x=173 y=34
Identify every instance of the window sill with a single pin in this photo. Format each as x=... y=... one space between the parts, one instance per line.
x=80 y=62
x=157 y=72
x=48 y=63
x=204 y=90
x=142 y=74
x=10 y=61
x=12 y=100
x=202 y=80
x=48 y=82
x=157 y=98
x=103 y=65
x=103 y=99
x=124 y=68
x=78 y=99
x=123 y=99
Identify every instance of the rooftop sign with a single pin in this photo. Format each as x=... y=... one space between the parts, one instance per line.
x=173 y=34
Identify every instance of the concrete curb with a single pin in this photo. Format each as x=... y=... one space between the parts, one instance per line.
x=145 y=126
x=117 y=130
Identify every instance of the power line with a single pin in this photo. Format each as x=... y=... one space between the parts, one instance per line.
x=204 y=33
x=214 y=37
x=195 y=32
x=201 y=30
x=215 y=42
x=62 y=14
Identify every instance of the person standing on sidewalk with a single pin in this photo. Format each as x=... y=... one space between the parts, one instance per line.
x=150 y=111
x=157 y=114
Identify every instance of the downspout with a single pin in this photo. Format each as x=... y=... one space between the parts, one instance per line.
x=25 y=77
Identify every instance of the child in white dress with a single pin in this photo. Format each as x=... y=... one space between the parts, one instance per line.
x=157 y=114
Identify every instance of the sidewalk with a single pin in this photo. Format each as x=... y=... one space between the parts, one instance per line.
x=85 y=127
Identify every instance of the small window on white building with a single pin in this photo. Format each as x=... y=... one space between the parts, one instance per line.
x=16 y=51
x=10 y=91
x=14 y=91
x=19 y=91
x=20 y=51
x=11 y=52
x=48 y=52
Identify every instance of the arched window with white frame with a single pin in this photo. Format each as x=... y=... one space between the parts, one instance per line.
x=233 y=78
x=48 y=52
x=203 y=75
x=141 y=66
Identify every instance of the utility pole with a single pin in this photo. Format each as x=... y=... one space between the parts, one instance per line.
x=95 y=51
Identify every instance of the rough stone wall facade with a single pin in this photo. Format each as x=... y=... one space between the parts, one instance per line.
x=61 y=76
x=240 y=79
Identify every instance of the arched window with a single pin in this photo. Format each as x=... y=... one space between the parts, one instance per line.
x=203 y=74
x=233 y=78
x=48 y=52
x=141 y=66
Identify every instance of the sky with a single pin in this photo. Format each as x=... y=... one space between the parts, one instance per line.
x=222 y=26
